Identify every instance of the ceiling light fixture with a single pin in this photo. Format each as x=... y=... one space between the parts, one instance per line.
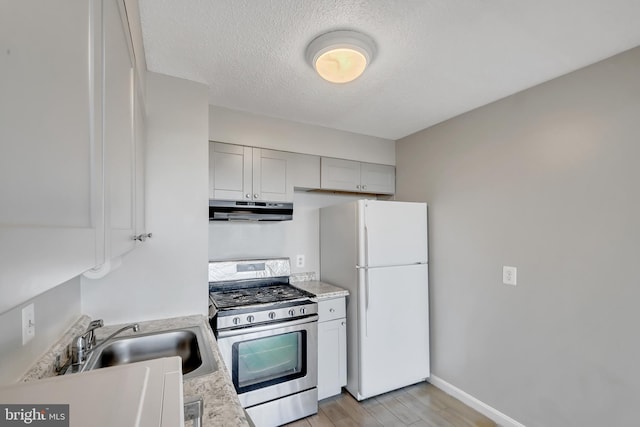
x=341 y=56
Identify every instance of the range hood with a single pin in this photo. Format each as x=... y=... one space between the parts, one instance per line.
x=229 y=210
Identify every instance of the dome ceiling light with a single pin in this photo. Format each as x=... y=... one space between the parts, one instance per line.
x=341 y=56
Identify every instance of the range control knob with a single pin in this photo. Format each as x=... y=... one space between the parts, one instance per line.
x=236 y=320
x=303 y=310
x=272 y=315
x=292 y=312
x=250 y=318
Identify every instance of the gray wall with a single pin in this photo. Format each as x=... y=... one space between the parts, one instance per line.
x=546 y=180
x=239 y=127
x=55 y=311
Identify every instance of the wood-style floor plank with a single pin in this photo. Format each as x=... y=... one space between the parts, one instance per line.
x=421 y=423
x=320 y=419
x=356 y=412
x=424 y=411
x=404 y=414
x=419 y=405
x=384 y=416
x=424 y=392
x=334 y=411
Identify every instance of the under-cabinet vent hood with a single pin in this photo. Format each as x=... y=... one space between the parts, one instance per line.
x=229 y=210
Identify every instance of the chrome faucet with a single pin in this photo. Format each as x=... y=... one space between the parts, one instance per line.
x=134 y=326
x=85 y=341
x=85 y=344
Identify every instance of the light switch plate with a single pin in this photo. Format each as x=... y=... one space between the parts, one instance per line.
x=28 y=323
x=300 y=261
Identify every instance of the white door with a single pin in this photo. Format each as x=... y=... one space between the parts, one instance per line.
x=394 y=328
x=394 y=233
x=332 y=357
x=339 y=174
x=119 y=132
x=271 y=180
x=230 y=172
x=50 y=151
x=379 y=179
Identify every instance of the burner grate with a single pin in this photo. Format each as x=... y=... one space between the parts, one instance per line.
x=240 y=297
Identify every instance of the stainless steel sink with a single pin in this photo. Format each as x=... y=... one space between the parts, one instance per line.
x=188 y=343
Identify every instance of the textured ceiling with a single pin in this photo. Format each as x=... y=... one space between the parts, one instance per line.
x=436 y=58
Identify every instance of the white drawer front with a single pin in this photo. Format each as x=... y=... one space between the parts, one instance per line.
x=331 y=309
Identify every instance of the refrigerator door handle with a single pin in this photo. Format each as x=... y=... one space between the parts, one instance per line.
x=366 y=302
x=366 y=246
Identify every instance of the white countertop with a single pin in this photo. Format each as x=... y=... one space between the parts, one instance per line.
x=143 y=394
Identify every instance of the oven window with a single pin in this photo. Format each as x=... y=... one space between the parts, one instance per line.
x=263 y=362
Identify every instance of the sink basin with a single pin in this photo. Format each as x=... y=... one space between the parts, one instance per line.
x=188 y=343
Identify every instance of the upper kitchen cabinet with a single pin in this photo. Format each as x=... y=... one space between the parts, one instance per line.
x=378 y=179
x=352 y=176
x=67 y=152
x=246 y=173
x=50 y=145
x=123 y=130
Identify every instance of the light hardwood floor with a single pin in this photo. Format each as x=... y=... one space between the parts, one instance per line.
x=419 y=405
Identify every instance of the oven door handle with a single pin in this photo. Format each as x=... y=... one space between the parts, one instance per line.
x=268 y=327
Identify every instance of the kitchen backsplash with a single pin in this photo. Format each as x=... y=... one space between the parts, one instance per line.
x=302 y=277
x=55 y=311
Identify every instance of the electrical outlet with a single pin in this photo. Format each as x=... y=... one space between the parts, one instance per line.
x=300 y=261
x=509 y=275
x=28 y=323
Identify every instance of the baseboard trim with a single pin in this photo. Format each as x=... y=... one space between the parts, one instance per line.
x=501 y=419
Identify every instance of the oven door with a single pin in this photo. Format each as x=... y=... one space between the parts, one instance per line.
x=271 y=361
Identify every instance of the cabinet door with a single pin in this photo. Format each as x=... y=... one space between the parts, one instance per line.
x=338 y=174
x=50 y=153
x=379 y=179
x=271 y=180
x=332 y=360
x=230 y=171
x=118 y=130
x=140 y=163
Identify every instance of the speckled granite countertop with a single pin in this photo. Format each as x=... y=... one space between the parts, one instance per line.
x=45 y=367
x=221 y=404
x=321 y=290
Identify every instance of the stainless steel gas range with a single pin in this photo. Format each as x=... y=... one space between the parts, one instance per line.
x=267 y=333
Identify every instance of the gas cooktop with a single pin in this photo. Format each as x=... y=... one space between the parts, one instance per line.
x=260 y=294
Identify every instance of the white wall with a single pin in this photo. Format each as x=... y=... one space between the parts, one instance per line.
x=228 y=240
x=546 y=180
x=236 y=127
x=233 y=240
x=55 y=311
x=167 y=275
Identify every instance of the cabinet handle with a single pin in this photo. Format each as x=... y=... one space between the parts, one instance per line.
x=342 y=323
x=256 y=196
x=358 y=187
x=248 y=196
x=332 y=310
x=364 y=187
x=142 y=237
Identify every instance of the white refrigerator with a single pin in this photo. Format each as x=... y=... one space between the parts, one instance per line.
x=378 y=251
